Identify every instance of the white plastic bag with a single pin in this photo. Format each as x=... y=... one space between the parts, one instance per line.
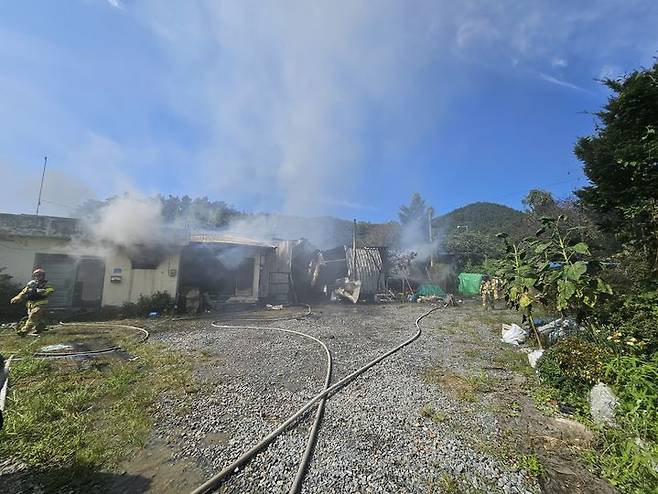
x=534 y=356
x=513 y=334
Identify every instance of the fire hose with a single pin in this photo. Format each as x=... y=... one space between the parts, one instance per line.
x=215 y=481
x=144 y=336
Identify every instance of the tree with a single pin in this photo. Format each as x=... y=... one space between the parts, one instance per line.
x=415 y=212
x=466 y=247
x=414 y=219
x=621 y=162
x=200 y=212
x=540 y=202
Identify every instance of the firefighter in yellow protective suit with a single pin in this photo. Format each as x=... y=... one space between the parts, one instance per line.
x=490 y=289
x=36 y=293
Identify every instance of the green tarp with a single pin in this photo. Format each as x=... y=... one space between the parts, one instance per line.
x=469 y=283
x=430 y=289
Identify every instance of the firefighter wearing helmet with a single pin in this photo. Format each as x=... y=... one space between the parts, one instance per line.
x=36 y=293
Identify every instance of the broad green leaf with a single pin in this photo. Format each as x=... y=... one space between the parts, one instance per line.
x=529 y=282
x=561 y=303
x=603 y=287
x=566 y=289
x=541 y=248
x=576 y=270
x=581 y=248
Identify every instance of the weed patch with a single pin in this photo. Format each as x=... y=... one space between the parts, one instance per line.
x=59 y=416
x=514 y=361
x=449 y=484
x=531 y=464
x=472 y=353
x=464 y=388
x=432 y=413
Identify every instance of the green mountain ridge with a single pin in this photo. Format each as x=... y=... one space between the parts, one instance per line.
x=483 y=217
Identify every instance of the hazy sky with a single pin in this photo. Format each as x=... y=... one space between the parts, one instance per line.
x=308 y=107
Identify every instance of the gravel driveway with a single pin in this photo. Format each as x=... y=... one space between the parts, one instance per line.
x=410 y=424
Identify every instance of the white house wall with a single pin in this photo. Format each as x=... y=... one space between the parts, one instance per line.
x=17 y=256
x=138 y=282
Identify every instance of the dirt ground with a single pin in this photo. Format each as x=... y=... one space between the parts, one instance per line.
x=449 y=413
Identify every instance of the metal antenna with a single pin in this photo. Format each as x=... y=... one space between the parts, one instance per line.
x=354 y=275
x=43 y=175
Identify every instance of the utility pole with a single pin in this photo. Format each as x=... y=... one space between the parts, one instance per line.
x=43 y=175
x=430 y=213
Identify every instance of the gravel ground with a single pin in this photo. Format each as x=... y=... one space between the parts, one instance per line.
x=373 y=437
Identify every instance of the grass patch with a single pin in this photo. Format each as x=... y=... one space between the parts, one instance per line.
x=449 y=485
x=432 y=413
x=514 y=361
x=494 y=317
x=61 y=417
x=464 y=388
x=531 y=464
x=509 y=410
x=98 y=336
x=544 y=397
x=472 y=353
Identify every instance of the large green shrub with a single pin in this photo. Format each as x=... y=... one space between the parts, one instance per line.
x=629 y=456
x=632 y=322
x=8 y=289
x=572 y=366
x=160 y=302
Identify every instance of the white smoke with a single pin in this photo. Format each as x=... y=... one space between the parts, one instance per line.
x=322 y=232
x=129 y=221
x=286 y=92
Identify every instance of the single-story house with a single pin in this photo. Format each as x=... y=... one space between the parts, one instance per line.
x=87 y=275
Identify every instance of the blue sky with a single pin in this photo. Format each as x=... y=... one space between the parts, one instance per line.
x=329 y=107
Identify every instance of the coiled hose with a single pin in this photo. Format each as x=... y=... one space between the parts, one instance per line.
x=215 y=481
x=144 y=336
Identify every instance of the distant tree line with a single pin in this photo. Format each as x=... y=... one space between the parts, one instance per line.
x=199 y=212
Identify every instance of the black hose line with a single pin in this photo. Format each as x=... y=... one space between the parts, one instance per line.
x=49 y=355
x=215 y=481
x=310 y=444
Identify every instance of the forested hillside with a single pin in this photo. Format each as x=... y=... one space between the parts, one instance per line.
x=484 y=217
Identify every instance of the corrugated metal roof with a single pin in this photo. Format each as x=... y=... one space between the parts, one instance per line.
x=228 y=238
x=369 y=269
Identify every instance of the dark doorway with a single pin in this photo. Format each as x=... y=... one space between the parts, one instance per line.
x=218 y=271
x=88 y=289
x=78 y=281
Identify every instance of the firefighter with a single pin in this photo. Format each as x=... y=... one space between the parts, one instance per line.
x=487 y=290
x=497 y=289
x=36 y=292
